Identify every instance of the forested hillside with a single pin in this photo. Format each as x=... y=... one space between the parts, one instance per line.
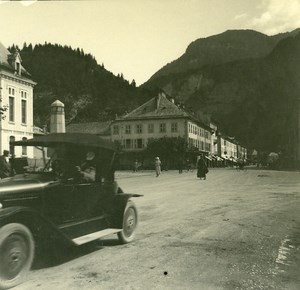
x=88 y=90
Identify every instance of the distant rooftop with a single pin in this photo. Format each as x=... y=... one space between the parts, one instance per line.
x=97 y=128
x=157 y=107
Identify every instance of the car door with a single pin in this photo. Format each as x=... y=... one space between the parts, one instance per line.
x=65 y=203
x=77 y=209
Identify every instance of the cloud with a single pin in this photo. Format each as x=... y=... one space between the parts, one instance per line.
x=240 y=16
x=23 y=2
x=27 y=2
x=277 y=16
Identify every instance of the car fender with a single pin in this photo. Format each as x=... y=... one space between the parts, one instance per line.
x=39 y=226
x=120 y=202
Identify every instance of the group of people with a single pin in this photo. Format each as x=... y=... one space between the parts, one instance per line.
x=202 y=169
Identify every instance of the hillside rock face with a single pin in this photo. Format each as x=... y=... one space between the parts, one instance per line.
x=225 y=47
x=247 y=81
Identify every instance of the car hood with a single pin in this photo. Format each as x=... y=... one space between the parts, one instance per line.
x=23 y=183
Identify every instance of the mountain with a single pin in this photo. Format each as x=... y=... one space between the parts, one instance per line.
x=88 y=90
x=252 y=93
x=228 y=46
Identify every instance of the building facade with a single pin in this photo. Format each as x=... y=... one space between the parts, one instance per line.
x=159 y=117
x=16 y=95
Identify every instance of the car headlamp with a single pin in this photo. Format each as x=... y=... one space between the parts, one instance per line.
x=1 y=206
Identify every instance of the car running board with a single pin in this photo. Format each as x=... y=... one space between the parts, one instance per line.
x=94 y=236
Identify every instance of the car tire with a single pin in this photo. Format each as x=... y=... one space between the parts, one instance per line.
x=16 y=254
x=130 y=222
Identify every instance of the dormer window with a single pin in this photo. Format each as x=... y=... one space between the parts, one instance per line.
x=18 y=68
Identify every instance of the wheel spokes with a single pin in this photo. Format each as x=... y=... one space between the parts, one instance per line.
x=130 y=222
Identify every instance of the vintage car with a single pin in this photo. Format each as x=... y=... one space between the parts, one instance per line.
x=42 y=205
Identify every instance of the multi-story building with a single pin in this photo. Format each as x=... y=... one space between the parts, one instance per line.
x=227 y=147
x=157 y=118
x=16 y=95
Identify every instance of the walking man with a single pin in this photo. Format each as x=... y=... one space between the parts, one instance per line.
x=157 y=166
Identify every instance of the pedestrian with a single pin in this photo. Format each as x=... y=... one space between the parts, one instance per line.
x=241 y=164
x=5 y=167
x=202 y=169
x=157 y=164
x=135 y=166
x=180 y=164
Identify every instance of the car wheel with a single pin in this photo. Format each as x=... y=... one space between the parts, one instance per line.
x=16 y=254
x=130 y=222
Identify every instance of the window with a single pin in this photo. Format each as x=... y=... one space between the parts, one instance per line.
x=18 y=68
x=12 y=148
x=139 y=143
x=11 y=91
x=128 y=143
x=162 y=128
x=139 y=128
x=11 y=109
x=127 y=129
x=150 y=128
x=24 y=111
x=24 y=148
x=23 y=95
x=207 y=146
x=134 y=143
x=116 y=129
x=202 y=145
x=174 y=127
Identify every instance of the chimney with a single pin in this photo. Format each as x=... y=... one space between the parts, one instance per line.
x=57 y=120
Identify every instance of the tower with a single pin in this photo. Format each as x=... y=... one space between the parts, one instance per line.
x=57 y=121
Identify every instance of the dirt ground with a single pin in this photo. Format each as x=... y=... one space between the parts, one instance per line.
x=235 y=230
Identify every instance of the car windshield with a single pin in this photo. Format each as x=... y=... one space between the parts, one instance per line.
x=66 y=162
x=67 y=154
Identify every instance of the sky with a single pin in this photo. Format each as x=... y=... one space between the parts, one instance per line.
x=138 y=37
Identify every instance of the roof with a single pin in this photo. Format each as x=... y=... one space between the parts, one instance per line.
x=4 y=53
x=97 y=128
x=5 y=56
x=57 y=103
x=160 y=107
x=157 y=107
x=58 y=139
x=38 y=131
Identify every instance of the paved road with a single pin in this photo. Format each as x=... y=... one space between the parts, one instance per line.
x=235 y=230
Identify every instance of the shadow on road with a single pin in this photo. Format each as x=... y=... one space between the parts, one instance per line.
x=59 y=254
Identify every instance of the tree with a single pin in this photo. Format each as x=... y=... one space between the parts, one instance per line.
x=170 y=150
x=133 y=84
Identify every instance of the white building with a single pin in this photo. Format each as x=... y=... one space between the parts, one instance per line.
x=16 y=95
x=158 y=118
